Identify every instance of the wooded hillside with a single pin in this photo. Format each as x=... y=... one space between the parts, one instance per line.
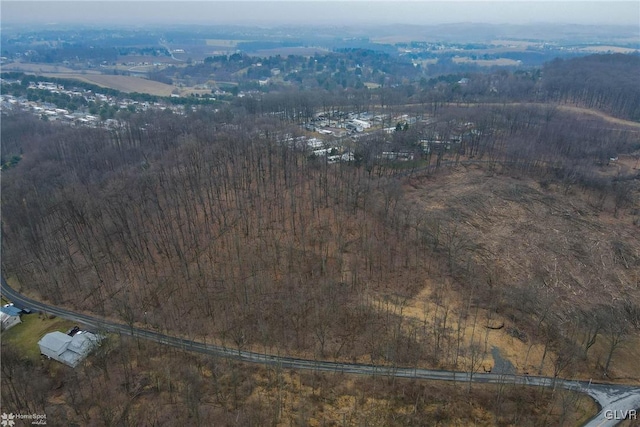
x=211 y=230
x=211 y=226
x=605 y=82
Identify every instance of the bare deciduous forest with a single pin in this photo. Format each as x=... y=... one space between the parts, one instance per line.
x=213 y=226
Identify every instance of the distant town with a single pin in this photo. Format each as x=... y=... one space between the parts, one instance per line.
x=51 y=112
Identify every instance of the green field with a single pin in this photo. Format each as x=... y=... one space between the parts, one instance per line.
x=25 y=336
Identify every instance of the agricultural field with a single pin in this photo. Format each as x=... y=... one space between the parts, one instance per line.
x=486 y=62
x=39 y=68
x=121 y=83
x=286 y=51
x=223 y=43
x=608 y=49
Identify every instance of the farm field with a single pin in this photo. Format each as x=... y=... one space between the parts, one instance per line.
x=286 y=51
x=485 y=62
x=608 y=49
x=121 y=83
x=42 y=68
x=230 y=44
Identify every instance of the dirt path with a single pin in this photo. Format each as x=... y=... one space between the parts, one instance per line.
x=597 y=113
x=569 y=108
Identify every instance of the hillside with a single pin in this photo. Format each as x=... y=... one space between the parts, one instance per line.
x=227 y=226
x=604 y=82
x=222 y=222
x=542 y=262
x=515 y=252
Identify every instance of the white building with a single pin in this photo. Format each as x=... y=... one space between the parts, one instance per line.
x=322 y=152
x=315 y=143
x=66 y=349
x=10 y=316
x=361 y=123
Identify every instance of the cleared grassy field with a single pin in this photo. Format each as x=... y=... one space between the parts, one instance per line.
x=520 y=44
x=580 y=241
x=286 y=51
x=486 y=62
x=149 y=59
x=39 y=68
x=395 y=39
x=121 y=83
x=608 y=49
x=231 y=44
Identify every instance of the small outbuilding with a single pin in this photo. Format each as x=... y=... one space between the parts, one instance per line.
x=10 y=316
x=70 y=350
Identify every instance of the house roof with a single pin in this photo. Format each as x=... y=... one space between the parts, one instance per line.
x=56 y=341
x=11 y=310
x=68 y=350
x=82 y=343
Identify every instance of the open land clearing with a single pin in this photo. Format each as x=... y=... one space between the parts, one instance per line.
x=28 y=67
x=118 y=82
x=230 y=44
x=165 y=60
x=121 y=83
x=608 y=49
x=600 y=114
x=485 y=62
x=525 y=235
x=286 y=51
x=565 y=107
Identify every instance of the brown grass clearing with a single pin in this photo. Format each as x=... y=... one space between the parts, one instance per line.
x=486 y=62
x=122 y=83
x=527 y=235
x=40 y=68
x=608 y=49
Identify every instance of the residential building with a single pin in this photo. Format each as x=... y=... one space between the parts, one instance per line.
x=67 y=349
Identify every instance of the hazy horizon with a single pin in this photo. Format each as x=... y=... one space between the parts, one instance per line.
x=354 y=12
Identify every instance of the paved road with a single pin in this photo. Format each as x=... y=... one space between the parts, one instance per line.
x=166 y=46
x=615 y=400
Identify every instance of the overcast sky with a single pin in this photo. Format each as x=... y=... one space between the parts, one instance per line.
x=321 y=12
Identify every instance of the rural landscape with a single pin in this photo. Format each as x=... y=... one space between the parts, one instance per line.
x=392 y=225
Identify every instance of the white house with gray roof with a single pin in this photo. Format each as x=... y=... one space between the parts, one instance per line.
x=67 y=349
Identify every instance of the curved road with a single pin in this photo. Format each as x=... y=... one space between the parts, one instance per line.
x=616 y=401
